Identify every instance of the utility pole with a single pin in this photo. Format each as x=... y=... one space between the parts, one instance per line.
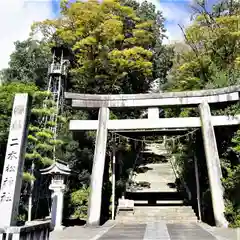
x=113 y=176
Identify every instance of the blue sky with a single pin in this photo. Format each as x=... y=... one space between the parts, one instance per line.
x=16 y=17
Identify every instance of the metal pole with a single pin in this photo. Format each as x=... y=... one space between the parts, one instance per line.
x=113 y=177
x=164 y=140
x=30 y=195
x=198 y=188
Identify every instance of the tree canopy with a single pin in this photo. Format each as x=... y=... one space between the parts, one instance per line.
x=212 y=59
x=209 y=58
x=115 y=46
x=112 y=44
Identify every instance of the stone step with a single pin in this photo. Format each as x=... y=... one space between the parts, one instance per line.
x=162 y=215
x=151 y=190
x=158 y=213
x=159 y=200
x=149 y=214
x=154 y=220
x=158 y=203
x=180 y=209
x=154 y=195
x=161 y=212
x=157 y=218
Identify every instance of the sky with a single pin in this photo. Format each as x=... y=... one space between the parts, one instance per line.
x=16 y=17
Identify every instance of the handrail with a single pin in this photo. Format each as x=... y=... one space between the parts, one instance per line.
x=128 y=183
x=177 y=175
x=33 y=230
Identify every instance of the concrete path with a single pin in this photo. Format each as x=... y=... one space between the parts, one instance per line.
x=82 y=232
x=222 y=233
x=158 y=231
x=159 y=175
x=150 y=231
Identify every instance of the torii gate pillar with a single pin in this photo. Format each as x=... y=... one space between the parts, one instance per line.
x=213 y=165
x=95 y=198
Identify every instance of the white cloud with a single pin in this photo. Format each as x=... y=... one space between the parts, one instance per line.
x=174 y=34
x=16 y=17
x=175 y=11
x=176 y=14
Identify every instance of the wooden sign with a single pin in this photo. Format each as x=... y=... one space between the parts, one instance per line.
x=124 y=204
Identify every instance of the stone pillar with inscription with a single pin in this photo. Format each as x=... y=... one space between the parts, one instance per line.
x=14 y=162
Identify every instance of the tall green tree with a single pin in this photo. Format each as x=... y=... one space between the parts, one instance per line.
x=212 y=60
x=112 y=46
x=117 y=48
x=7 y=93
x=162 y=54
x=28 y=63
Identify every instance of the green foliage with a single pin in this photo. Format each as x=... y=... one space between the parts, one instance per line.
x=232 y=214
x=43 y=112
x=117 y=48
x=114 y=44
x=28 y=63
x=46 y=161
x=214 y=51
x=209 y=59
x=236 y=142
x=37 y=149
x=28 y=177
x=33 y=156
x=79 y=202
x=7 y=92
x=41 y=136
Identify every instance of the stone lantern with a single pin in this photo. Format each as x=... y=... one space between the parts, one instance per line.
x=59 y=170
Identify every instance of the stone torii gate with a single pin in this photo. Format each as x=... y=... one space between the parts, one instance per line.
x=206 y=122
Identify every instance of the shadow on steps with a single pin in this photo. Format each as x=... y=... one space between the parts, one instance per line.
x=154 y=196
x=73 y=222
x=152 y=199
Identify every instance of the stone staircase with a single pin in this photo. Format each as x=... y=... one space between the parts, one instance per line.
x=157 y=198
x=168 y=214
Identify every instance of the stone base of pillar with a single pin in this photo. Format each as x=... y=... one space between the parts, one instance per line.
x=222 y=223
x=57 y=206
x=59 y=228
x=92 y=225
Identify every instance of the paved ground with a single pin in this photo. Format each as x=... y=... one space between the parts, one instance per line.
x=151 y=231
x=81 y=232
x=222 y=233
